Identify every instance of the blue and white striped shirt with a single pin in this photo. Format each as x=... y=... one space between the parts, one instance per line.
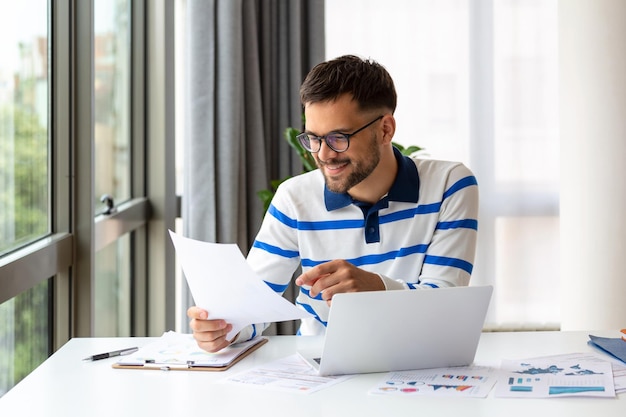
x=422 y=234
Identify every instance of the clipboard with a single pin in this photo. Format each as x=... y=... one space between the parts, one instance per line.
x=179 y=352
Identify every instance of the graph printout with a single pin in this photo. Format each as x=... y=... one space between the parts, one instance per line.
x=551 y=378
x=462 y=381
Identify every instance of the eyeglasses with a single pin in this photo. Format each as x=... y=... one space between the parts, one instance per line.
x=337 y=141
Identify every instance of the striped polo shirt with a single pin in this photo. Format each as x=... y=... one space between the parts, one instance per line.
x=422 y=234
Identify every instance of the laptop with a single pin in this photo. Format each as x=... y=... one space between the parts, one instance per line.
x=383 y=331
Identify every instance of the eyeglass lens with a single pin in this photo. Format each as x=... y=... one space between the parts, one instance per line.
x=336 y=141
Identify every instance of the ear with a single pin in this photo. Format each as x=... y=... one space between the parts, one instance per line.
x=389 y=128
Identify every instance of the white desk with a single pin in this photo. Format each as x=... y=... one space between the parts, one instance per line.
x=66 y=386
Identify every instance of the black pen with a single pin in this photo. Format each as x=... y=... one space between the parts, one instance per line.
x=99 y=356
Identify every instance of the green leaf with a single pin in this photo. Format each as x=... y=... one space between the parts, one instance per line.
x=411 y=150
x=399 y=147
x=266 y=198
x=308 y=162
x=407 y=151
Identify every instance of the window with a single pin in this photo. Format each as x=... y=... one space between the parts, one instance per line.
x=24 y=179
x=24 y=151
x=477 y=82
x=112 y=156
x=25 y=330
x=75 y=78
x=112 y=83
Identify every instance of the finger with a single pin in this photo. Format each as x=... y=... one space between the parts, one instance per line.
x=329 y=288
x=326 y=285
x=208 y=325
x=321 y=284
x=344 y=279
x=214 y=345
x=216 y=333
x=212 y=341
x=306 y=278
x=311 y=276
x=195 y=312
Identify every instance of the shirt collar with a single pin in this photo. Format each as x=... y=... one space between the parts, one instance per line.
x=405 y=188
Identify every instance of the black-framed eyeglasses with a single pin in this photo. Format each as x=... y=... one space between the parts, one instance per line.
x=337 y=141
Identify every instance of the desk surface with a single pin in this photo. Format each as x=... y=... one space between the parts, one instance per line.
x=66 y=386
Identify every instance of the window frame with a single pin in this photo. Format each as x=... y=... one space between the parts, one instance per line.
x=66 y=255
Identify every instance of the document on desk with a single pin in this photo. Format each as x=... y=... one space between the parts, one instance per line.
x=222 y=282
x=289 y=374
x=462 y=381
x=556 y=376
x=619 y=369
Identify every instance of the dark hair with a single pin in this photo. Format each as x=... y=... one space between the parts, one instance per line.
x=368 y=82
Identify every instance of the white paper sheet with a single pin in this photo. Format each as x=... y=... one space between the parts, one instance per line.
x=290 y=374
x=462 y=381
x=222 y=282
x=619 y=370
x=555 y=376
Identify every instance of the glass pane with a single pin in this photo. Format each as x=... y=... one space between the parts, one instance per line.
x=112 y=100
x=429 y=64
x=113 y=289
x=526 y=92
x=24 y=334
x=527 y=270
x=24 y=195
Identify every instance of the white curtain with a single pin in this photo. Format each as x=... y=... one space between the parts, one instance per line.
x=477 y=82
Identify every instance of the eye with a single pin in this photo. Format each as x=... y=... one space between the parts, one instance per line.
x=335 y=137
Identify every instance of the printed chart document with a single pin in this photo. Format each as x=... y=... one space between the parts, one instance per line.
x=222 y=282
x=461 y=381
x=619 y=368
x=553 y=377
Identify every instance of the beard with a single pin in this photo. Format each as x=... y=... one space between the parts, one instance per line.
x=361 y=168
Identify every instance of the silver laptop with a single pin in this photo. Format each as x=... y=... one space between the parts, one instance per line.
x=383 y=331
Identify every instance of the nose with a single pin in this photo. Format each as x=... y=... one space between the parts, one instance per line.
x=326 y=153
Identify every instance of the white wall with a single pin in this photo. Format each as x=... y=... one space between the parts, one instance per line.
x=593 y=163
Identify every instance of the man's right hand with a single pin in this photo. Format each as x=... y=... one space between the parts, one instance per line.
x=210 y=334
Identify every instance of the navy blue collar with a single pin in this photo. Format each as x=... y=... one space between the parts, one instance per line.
x=404 y=189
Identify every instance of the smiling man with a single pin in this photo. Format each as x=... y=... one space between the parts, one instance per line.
x=369 y=218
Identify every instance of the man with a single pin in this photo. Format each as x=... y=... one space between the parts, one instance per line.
x=369 y=218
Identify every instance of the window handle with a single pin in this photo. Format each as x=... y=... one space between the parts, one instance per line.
x=110 y=205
